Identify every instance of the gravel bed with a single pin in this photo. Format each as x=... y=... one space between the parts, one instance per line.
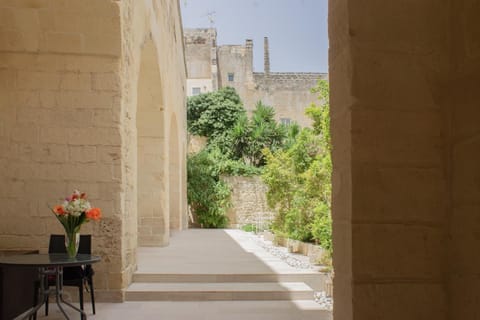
x=294 y=260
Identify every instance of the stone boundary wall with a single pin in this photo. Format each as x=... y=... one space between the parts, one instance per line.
x=288 y=80
x=249 y=204
x=293 y=75
x=196 y=143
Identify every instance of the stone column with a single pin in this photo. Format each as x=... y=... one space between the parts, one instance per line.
x=390 y=183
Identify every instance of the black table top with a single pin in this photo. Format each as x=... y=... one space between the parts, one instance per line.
x=47 y=260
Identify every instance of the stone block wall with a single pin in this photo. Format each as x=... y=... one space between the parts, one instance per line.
x=198 y=46
x=249 y=205
x=288 y=92
x=68 y=98
x=462 y=122
x=405 y=155
x=60 y=89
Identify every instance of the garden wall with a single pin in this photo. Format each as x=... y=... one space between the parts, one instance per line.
x=249 y=204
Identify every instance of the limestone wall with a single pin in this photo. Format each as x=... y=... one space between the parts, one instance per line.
x=405 y=156
x=154 y=98
x=289 y=93
x=236 y=60
x=249 y=205
x=196 y=143
x=69 y=72
x=461 y=119
x=198 y=46
x=60 y=105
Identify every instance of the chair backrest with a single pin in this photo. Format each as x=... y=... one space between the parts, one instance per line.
x=57 y=244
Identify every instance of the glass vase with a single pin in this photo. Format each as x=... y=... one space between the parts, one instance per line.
x=72 y=240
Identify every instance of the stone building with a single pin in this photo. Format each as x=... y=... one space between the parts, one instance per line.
x=210 y=67
x=406 y=140
x=92 y=96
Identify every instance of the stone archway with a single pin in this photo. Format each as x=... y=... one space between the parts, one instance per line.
x=176 y=216
x=152 y=201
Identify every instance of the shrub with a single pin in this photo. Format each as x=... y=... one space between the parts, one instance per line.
x=299 y=179
x=207 y=195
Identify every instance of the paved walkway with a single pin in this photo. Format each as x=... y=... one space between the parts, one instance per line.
x=212 y=251
x=213 y=255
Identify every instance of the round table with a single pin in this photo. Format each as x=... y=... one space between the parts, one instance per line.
x=49 y=264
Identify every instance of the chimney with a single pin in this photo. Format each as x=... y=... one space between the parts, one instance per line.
x=249 y=60
x=266 y=57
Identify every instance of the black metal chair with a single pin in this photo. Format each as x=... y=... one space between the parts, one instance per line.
x=79 y=276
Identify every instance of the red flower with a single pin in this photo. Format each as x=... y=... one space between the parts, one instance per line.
x=59 y=210
x=94 y=214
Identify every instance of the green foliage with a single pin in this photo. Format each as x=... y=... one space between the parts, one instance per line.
x=292 y=131
x=250 y=136
x=249 y=227
x=207 y=195
x=222 y=164
x=214 y=113
x=235 y=146
x=320 y=114
x=299 y=179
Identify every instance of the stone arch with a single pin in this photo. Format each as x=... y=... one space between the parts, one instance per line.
x=152 y=203
x=175 y=190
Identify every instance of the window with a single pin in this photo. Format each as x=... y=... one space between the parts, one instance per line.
x=285 y=121
x=231 y=76
x=195 y=91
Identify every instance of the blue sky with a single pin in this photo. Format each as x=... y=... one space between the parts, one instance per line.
x=296 y=29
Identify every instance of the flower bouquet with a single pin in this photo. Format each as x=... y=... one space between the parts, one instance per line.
x=75 y=211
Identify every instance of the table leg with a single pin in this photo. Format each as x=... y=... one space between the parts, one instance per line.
x=59 y=295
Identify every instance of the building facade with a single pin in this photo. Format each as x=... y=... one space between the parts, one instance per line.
x=210 y=67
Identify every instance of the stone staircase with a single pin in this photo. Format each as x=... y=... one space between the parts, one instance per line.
x=219 y=287
x=218 y=265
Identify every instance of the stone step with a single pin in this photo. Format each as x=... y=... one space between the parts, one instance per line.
x=154 y=291
x=217 y=278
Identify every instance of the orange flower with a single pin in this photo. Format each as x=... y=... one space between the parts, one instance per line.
x=59 y=210
x=94 y=214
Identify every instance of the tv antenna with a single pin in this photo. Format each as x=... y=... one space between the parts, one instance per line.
x=211 y=17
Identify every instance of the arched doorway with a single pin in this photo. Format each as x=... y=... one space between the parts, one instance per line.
x=152 y=200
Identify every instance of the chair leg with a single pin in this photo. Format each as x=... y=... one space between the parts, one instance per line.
x=36 y=292
x=80 y=298
x=47 y=286
x=92 y=294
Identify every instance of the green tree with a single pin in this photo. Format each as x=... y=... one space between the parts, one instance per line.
x=250 y=136
x=214 y=113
